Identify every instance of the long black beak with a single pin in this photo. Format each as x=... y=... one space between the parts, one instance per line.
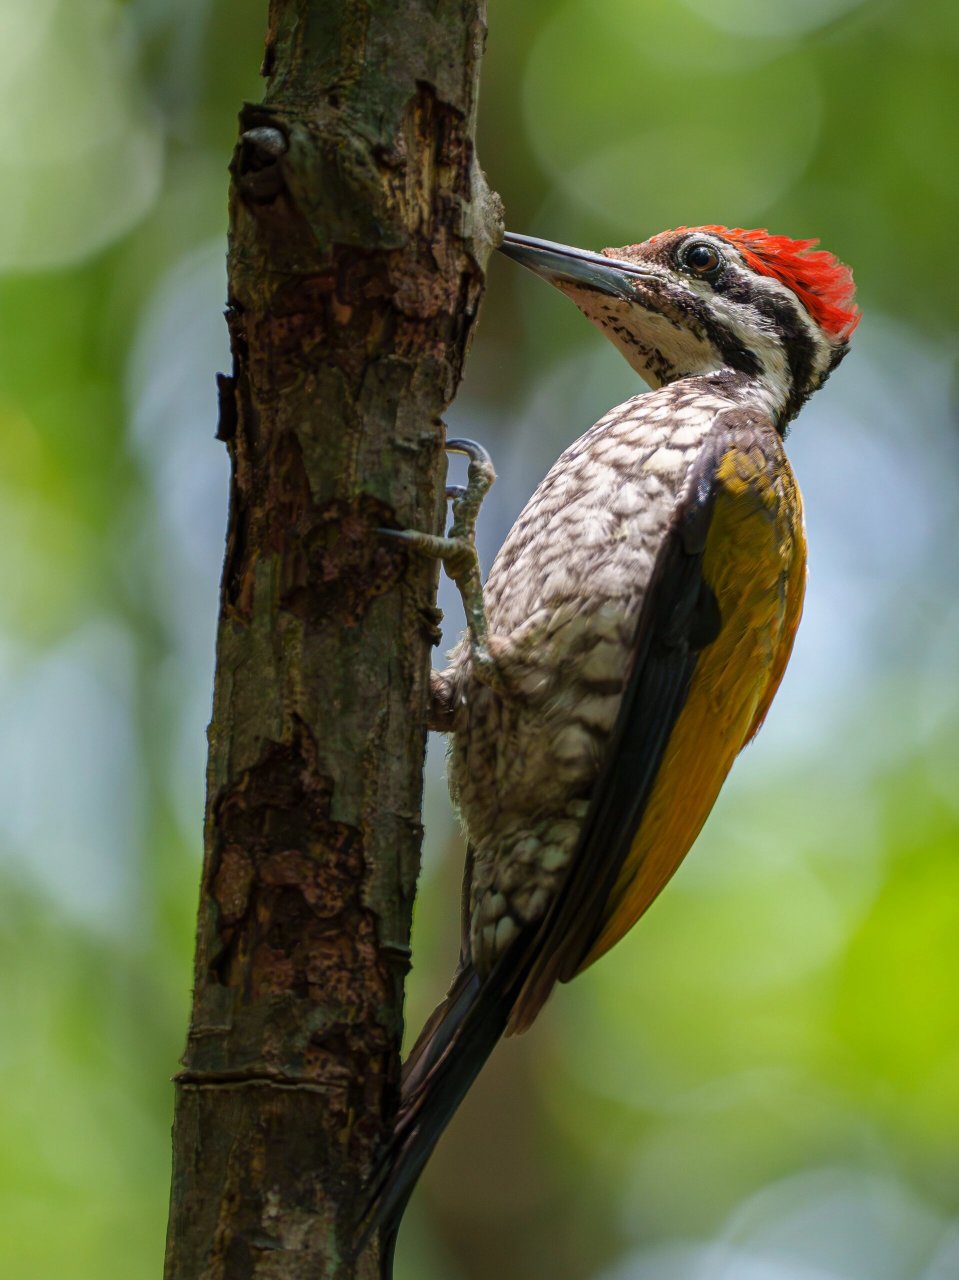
x=562 y=264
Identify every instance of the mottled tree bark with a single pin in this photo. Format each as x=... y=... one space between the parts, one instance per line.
x=360 y=226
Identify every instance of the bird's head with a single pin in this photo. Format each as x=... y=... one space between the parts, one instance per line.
x=698 y=300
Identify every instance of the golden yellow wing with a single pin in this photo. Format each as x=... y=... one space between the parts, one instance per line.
x=712 y=642
x=755 y=564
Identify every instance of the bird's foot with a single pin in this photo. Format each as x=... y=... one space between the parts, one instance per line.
x=457 y=550
x=467 y=499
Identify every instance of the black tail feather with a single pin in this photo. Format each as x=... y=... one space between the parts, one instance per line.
x=448 y=1056
x=441 y=1030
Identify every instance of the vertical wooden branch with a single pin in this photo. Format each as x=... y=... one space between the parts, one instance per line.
x=360 y=226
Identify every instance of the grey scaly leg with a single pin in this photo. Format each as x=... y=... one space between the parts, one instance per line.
x=457 y=550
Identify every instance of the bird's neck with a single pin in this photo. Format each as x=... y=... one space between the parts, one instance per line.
x=760 y=375
x=765 y=392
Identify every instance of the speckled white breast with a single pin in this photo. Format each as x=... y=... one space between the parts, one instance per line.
x=562 y=601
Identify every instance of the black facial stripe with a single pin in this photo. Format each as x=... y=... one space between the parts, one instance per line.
x=788 y=320
x=800 y=347
x=686 y=306
x=733 y=351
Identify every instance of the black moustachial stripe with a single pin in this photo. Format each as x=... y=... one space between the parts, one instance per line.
x=688 y=311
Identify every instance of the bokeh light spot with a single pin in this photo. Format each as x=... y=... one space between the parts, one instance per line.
x=81 y=151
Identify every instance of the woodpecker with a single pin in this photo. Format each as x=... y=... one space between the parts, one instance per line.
x=632 y=633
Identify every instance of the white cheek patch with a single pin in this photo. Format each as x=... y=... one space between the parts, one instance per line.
x=656 y=347
x=759 y=335
x=822 y=347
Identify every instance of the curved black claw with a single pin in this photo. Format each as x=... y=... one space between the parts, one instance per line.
x=475 y=452
x=454 y=491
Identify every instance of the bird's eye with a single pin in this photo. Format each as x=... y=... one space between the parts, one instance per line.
x=701 y=258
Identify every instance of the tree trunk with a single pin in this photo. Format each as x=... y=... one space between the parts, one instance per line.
x=360 y=226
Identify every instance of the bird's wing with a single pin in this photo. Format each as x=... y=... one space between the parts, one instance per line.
x=712 y=640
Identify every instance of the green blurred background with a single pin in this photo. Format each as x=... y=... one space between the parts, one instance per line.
x=762 y=1082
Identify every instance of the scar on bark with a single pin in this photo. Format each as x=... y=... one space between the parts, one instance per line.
x=292 y=916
